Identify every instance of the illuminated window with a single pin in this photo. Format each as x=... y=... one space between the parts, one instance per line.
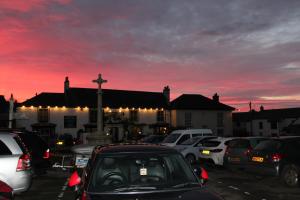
x=43 y=115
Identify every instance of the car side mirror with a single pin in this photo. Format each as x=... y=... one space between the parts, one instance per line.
x=75 y=180
x=201 y=174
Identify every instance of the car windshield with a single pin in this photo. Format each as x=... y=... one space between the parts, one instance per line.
x=190 y=141
x=171 y=138
x=140 y=172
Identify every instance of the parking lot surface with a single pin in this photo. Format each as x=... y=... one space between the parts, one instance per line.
x=231 y=185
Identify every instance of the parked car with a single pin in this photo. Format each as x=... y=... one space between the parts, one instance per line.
x=238 y=150
x=6 y=192
x=139 y=172
x=38 y=149
x=15 y=167
x=153 y=139
x=65 y=140
x=278 y=157
x=213 y=150
x=190 y=148
x=179 y=136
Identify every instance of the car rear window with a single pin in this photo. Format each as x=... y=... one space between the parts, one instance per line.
x=268 y=145
x=211 y=143
x=4 y=150
x=238 y=144
x=21 y=144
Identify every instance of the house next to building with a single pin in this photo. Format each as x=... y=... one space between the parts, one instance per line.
x=126 y=113
x=273 y=122
x=197 y=111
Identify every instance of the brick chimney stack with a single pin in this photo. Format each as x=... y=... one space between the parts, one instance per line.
x=216 y=97
x=166 y=93
x=67 y=84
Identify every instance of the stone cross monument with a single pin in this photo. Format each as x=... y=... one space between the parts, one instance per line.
x=99 y=137
x=99 y=81
x=11 y=111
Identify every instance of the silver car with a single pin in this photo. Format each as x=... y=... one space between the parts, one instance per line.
x=15 y=166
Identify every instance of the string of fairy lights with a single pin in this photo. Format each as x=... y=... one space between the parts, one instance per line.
x=106 y=109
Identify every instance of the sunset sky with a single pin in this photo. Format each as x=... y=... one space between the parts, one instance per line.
x=245 y=50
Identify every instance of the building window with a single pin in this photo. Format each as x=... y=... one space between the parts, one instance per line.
x=43 y=115
x=220 y=119
x=273 y=124
x=133 y=115
x=70 y=121
x=93 y=116
x=160 y=116
x=188 y=120
x=261 y=125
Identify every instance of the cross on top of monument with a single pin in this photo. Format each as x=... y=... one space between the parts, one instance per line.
x=99 y=80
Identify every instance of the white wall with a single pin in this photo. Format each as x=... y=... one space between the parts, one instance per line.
x=202 y=119
x=57 y=117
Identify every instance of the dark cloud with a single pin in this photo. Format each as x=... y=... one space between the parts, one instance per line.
x=240 y=48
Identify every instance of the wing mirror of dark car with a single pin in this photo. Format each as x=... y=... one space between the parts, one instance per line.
x=75 y=180
x=201 y=174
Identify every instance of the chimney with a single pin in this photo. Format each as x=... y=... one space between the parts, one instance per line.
x=67 y=84
x=261 y=108
x=166 y=93
x=216 y=97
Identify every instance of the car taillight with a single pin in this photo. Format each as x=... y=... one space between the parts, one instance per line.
x=23 y=163
x=216 y=150
x=248 y=151
x=204 y=174
x=276 y=157
x=227 y=151
x=46 y=154
x=84 y=196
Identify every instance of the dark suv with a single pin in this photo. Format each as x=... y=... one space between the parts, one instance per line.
x=38 y=149
x=278 y=157
x=139 y=171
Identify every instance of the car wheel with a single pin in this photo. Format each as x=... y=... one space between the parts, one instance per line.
x=290 y=175
x=190 y=158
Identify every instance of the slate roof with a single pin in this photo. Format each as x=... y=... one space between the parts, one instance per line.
x=82 y=97
x=273 y=114
x=198 y=102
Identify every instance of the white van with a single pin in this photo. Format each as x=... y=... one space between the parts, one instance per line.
x=179 y=136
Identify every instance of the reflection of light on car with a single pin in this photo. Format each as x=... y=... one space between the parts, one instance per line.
x=60 y=143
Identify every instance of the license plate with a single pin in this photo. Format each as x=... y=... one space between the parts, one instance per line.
x=257 y=159
x=234 y=159
x=206 y=152
x=81 y=161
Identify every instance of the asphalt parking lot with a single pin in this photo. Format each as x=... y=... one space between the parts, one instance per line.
x=231 y=185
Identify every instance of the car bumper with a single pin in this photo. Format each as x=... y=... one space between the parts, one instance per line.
x=264 y=169
x=21 y=182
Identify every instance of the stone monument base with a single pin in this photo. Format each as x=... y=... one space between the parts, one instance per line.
x=96 y=138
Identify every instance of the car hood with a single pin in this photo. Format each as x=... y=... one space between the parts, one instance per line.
x=174 y=195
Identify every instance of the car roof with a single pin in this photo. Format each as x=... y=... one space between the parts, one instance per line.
x=133 y=148
x=220 y=139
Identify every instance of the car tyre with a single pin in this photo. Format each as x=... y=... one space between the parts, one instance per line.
x=190 y=158
x=290 y=175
